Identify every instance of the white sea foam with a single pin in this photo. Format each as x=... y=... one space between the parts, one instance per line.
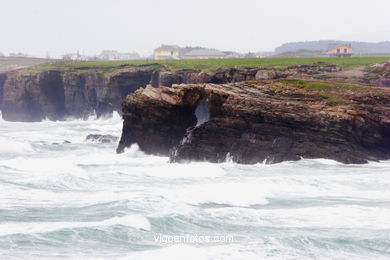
x=11 y=147
x=191 y=170
x=273 y=250
x=309 y=209
x=172 y=252
x=337 y=216
x=238 y=194
x=133 y=221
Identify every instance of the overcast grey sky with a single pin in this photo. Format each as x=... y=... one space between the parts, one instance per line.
x=61 y=26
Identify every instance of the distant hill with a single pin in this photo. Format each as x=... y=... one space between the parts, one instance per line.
x=301 y=54
x=1 y=54
x=359 y=48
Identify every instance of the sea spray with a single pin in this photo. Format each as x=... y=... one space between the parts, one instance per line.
x=81 y=200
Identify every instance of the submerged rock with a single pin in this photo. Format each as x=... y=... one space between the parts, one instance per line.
x=259 y=121
x=101 y=138
x=63 y=142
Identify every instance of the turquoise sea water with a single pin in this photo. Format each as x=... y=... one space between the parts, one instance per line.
x=80 y=200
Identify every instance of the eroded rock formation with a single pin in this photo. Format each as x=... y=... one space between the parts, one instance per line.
x=157 y=118
x=29 y=95
x=378 y=74
x=54 y=94
x=258 y=121
x=3 y=77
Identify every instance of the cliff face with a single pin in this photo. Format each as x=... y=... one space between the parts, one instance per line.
x=56 y=94
x=26 y=95
x=157 y=118
x=3 y=77
x=168 y=78
x=259 y=121
x=31 y=97
x=231 y=75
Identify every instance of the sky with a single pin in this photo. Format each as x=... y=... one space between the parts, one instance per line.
x=57 y=27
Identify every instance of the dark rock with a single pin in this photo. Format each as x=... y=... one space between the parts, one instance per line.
x=3 y=77
x=378 y=74
x=157 y=118
x=64 y=142
x=254 y=122
x=168 y=78
x=82 y=93
x=384 y=81
x=265 y=75
x=29 y=95
x=222 y=76
x=101 y=138
x=120 y=84
x=312 y=69
x=33 y=96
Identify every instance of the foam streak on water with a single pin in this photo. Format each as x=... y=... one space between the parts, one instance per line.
x=80 y=200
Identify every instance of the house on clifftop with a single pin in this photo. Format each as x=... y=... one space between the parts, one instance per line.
x=344 y=50
x=167 y=52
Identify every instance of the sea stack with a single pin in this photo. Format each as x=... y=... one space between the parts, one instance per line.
x=260 y=121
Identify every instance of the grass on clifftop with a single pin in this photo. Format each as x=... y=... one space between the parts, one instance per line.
x=212 y=63
x=333 y=92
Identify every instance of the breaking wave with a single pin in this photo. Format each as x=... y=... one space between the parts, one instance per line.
x=63 y=197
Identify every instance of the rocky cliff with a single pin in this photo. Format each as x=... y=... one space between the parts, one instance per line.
x=3 y=77
x=257 y=121
x=378 y=74
x=55 y=94
x=32 y=95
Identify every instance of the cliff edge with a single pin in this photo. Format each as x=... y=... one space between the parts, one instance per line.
x=34 y=94
x=259 y=121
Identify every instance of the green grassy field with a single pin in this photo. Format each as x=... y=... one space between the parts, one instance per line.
x=334 y=92
x=216 y=63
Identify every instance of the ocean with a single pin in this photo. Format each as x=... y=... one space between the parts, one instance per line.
x=64 y=197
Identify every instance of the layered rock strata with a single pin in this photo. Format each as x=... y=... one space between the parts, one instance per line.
x=33 y=95
x=258 y=121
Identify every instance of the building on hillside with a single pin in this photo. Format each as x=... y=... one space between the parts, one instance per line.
x=75 y=56
x=255 y=55
x=344 y=50
x=115 y=55
x=204 y=54
x=167 y=52
x=109 y=55
x=233 y=55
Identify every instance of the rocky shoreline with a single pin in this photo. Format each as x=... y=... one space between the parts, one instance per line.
x=246 y=115
x=260 y=121
x=34 y=95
